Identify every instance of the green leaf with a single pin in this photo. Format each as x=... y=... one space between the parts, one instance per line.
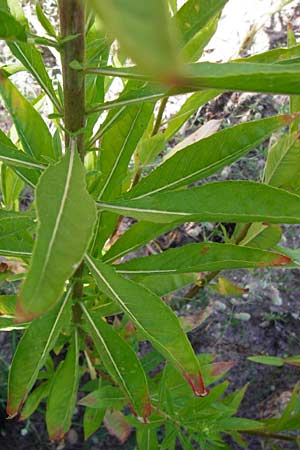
x=202 y=257
x=147 y=438
x=267 y=360
x=14 y=157
x=14 y=237
x=92 y=421
x=195 y=47
x=149 y=148
x=237 y=423
x=166 y=284
x=32 y=59
x=272 y=78
x=254 y=77
x=10 y=28
x=104 y=397
x=121 y=362
x=117 y=147
x=12 y=187
x=66 y=218
x=30 y=176
x=37 y=341
x=9 y=324
x=262 y=235
x=194 y=16
x=163 y=330
x=138 y=234
x=283 y=163
x=44 y=21
x=276 y=55
x=206 y=156
x=143 y=30
x=191 y=105
x=34 y=399
x=253 y=202
x=8 y=305
x=226 y=287
x=32 y=130
x=63 y=394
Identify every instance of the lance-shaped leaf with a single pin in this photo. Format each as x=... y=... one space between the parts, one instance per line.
x=147 y=438
x=163 y=330
x=254 y=77
x=63 y=394
x=121 y=362
x=104 y=397
x=192 y=104
x=261 y=235
x=66 y=215
x=37 y=341
x=283 y=163
x=228 y=201
x=272 y=78
x=12 y=222
x=34 y=399
x=11 y=187
x=208 y=155
x=10 y=28
x=165 y=284
x=18 y=245
x=138 y=234
x=32 y=130
x=117 y=146
x=8 y=305
x=276 y=55
x=207 y=256
x=19 y=162
x=7 y=323
x=32 y=59
x=15 y=239
x=194 y=15
x=92 y=421
x=197 y=21
x=14 y=157
x=143 y=30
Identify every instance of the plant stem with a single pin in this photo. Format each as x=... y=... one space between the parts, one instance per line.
x=160 y=114
x=72 y=22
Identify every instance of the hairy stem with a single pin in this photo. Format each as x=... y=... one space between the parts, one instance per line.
x=72 y=22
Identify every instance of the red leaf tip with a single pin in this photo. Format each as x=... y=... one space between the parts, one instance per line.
x=289 y=118
x=197 y=384
x=21 y=314
x=281 y=260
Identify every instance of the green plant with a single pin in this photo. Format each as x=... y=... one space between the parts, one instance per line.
x=86 y=177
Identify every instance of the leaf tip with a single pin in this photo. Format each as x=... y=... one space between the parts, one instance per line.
x=220 y=368
x=281 y=260
x=57 y=435
x=21 y=314
x=197 y=384
x=289 y=118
